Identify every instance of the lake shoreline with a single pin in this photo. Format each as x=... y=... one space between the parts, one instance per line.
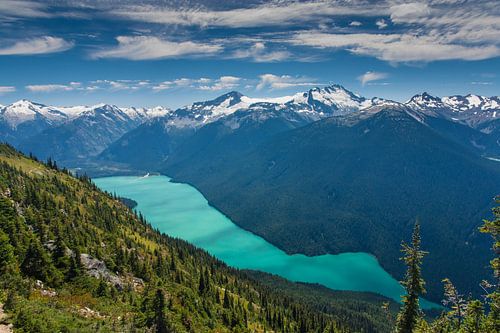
x=241 y=248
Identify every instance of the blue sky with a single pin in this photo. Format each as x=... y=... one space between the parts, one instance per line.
x=171 y=53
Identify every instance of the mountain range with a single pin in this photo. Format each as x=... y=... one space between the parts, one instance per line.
x=352 y=183
x=68 y=134
x=159 y=138
x=323 y=171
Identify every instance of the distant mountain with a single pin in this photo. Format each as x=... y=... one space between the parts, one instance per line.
x=142 y=148
x=478 y=112
x=68 y=133
x=472 y=110
x=333 y=100
x=355 y=182
x=24 y=118
x=154 y=141
x=81 y=137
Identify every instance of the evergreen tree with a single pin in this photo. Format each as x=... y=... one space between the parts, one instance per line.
x=493 y=228
x=102 y=289
x=6 y=253
x=201 y=284
x=75 y=266
x=59 y=254
x=159 y=311
x=410 y=313
x=454 y=301
x=227 y=301
x=36 y=262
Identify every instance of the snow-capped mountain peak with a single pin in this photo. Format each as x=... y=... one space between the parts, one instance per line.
x=469 y=109
x=25 y=110
x=332 y=100
x=311 y=105
x=425 y=100
x=146 y=113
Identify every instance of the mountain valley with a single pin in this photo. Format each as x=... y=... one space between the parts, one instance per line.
x=324 y=171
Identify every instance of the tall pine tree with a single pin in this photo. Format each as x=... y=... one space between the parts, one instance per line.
x=410 y=313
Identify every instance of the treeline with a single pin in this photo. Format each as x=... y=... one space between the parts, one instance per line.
x=75 y=259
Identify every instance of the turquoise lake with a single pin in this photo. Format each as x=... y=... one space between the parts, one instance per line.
x=179 y=210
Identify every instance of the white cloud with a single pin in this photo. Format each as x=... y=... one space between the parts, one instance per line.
x=482 y=83
x=116 y=85
x=381 y=24
x=20 y=8
x=277 y=13
x=41 y=45
x=403 y=12
x=6 y=89
x=464 y=23
x=397 y=47
x=146 y=48
x=45 y=88
x=272 y=81
x=371 y=76
x=184 y=82
x=165 y=85
x=258 y=52
x=355 y=24
x=223 y=83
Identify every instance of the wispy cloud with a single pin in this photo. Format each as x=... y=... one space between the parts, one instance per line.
x=223 y=83
x=7 y=89
x=46 y=88
x=275 y=13
x=481 y=83
x=272 y=81
x=402 y=12
x=116 y=85
x=404 y=31
x=397 y=47
x=371 y=76
x=18 y=8
x=381 y=24
x=148 y=48
x=226 y=82
x=258 y=52
x=40 y=45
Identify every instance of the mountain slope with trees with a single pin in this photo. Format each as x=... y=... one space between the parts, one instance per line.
x=357 y=183
x=75 y=259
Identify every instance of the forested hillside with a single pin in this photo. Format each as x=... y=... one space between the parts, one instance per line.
x=74 y=259
x=356 y=183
